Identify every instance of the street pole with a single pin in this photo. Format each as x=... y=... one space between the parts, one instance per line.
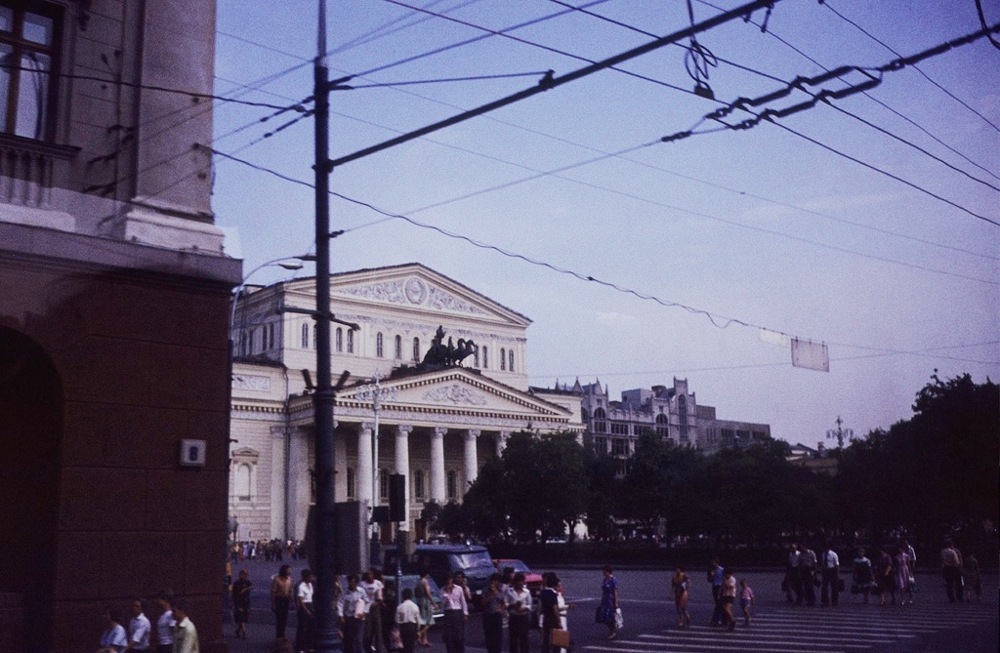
x=323 y=398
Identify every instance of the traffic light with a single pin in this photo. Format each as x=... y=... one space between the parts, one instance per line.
x=397 y=498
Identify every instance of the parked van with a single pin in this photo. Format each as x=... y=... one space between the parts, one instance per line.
x=443 y=560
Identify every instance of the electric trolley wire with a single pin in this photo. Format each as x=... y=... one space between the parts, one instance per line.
x=989 y=35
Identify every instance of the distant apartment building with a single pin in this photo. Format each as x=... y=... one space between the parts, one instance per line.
x=672 y=413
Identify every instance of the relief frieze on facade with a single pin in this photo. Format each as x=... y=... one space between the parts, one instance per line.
x=251 y=382
x=455 y=394
x=413 y=291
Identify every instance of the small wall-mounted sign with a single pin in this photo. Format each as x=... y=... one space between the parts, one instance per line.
x=193 y=453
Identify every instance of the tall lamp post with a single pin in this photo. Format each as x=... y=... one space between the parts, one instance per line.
x=377 y=394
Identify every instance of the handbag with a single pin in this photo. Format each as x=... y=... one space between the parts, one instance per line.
x=395 y=639
x=560 y=638
x=619 y=621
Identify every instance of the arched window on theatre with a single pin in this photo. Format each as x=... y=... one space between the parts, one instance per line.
x=416 y=350
x=452 y=485
x=339 y=339
x=503 y=359
x=378 y=345
x=510 y=360
x=350 y=341
x=475 y=356
x=305 y=336
x=486 y=358
x=399 y=348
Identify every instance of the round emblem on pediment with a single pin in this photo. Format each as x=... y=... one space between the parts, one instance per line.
x=415 y=290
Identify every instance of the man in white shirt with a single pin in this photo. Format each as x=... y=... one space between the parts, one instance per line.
x=373 y=589
x=138 y=629
x=456 y=613
x=807 y=571
x=830 y=568
x=518 y=600
x=351 y=609
x=165 y=623
x=408 y=621
x=185 y=634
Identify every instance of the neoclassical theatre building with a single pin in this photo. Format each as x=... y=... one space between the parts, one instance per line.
x=436 y=381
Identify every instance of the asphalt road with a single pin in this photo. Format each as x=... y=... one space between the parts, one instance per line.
x=931 y=624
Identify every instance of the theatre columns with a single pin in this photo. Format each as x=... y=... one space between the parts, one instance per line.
x=471 y=457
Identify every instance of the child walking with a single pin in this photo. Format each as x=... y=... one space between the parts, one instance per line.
x=746 y=600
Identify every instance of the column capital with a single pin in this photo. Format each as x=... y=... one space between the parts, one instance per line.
x=472 y=434
x=367 y=426
x=404 y=429
x=440 y=430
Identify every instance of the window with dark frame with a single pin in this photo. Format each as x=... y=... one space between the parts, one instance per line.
x=29 y=37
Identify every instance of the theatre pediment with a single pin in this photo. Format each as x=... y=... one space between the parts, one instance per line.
x=453 y=390
x=418 y=288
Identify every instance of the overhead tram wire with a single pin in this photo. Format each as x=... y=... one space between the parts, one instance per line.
x=550 y=82
x=659 y=169
x=882 y=353
x=877 y=101
x=992 y=124
x=824 y=96
x=390 y=216
x=778 y=79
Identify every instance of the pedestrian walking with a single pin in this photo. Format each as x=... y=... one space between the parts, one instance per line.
x=114 y=636
x=185 y=634
x=807 y=575
x=716 y=573
x=951 y=570
x=518 y=600
x=408 y=621
x=746 y=600
x=281 y=599
x=607 y=611
x=494 y=606
x=884 y=576
x=241 y=603
x=305 y=628
x=728 y=597
x=165 y=622
x=548 y=610
x=456 y=613
x=351 y=611
x=374 y=589
x=792 y=584
x=830 y=570
x=425 y=602
x=862 y=577
x=138 y=629
x=679 y=584
x=972 y=579
x=904 y=576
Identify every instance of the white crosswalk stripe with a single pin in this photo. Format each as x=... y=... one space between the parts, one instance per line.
x=850 y=628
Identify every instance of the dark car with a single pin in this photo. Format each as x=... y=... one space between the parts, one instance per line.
x=443 y=560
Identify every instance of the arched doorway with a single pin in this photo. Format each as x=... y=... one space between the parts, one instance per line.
x=31 y=417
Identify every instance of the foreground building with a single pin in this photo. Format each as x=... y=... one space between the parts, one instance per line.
x=441 y=415
x=114 y=296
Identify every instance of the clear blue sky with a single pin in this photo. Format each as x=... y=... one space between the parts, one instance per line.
x=761 y=226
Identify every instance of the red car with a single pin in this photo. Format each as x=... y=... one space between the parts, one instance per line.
x=534 y=582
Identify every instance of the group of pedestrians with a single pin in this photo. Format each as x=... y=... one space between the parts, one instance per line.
x=724 y=595
x=174 y=632
x=508 y=601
